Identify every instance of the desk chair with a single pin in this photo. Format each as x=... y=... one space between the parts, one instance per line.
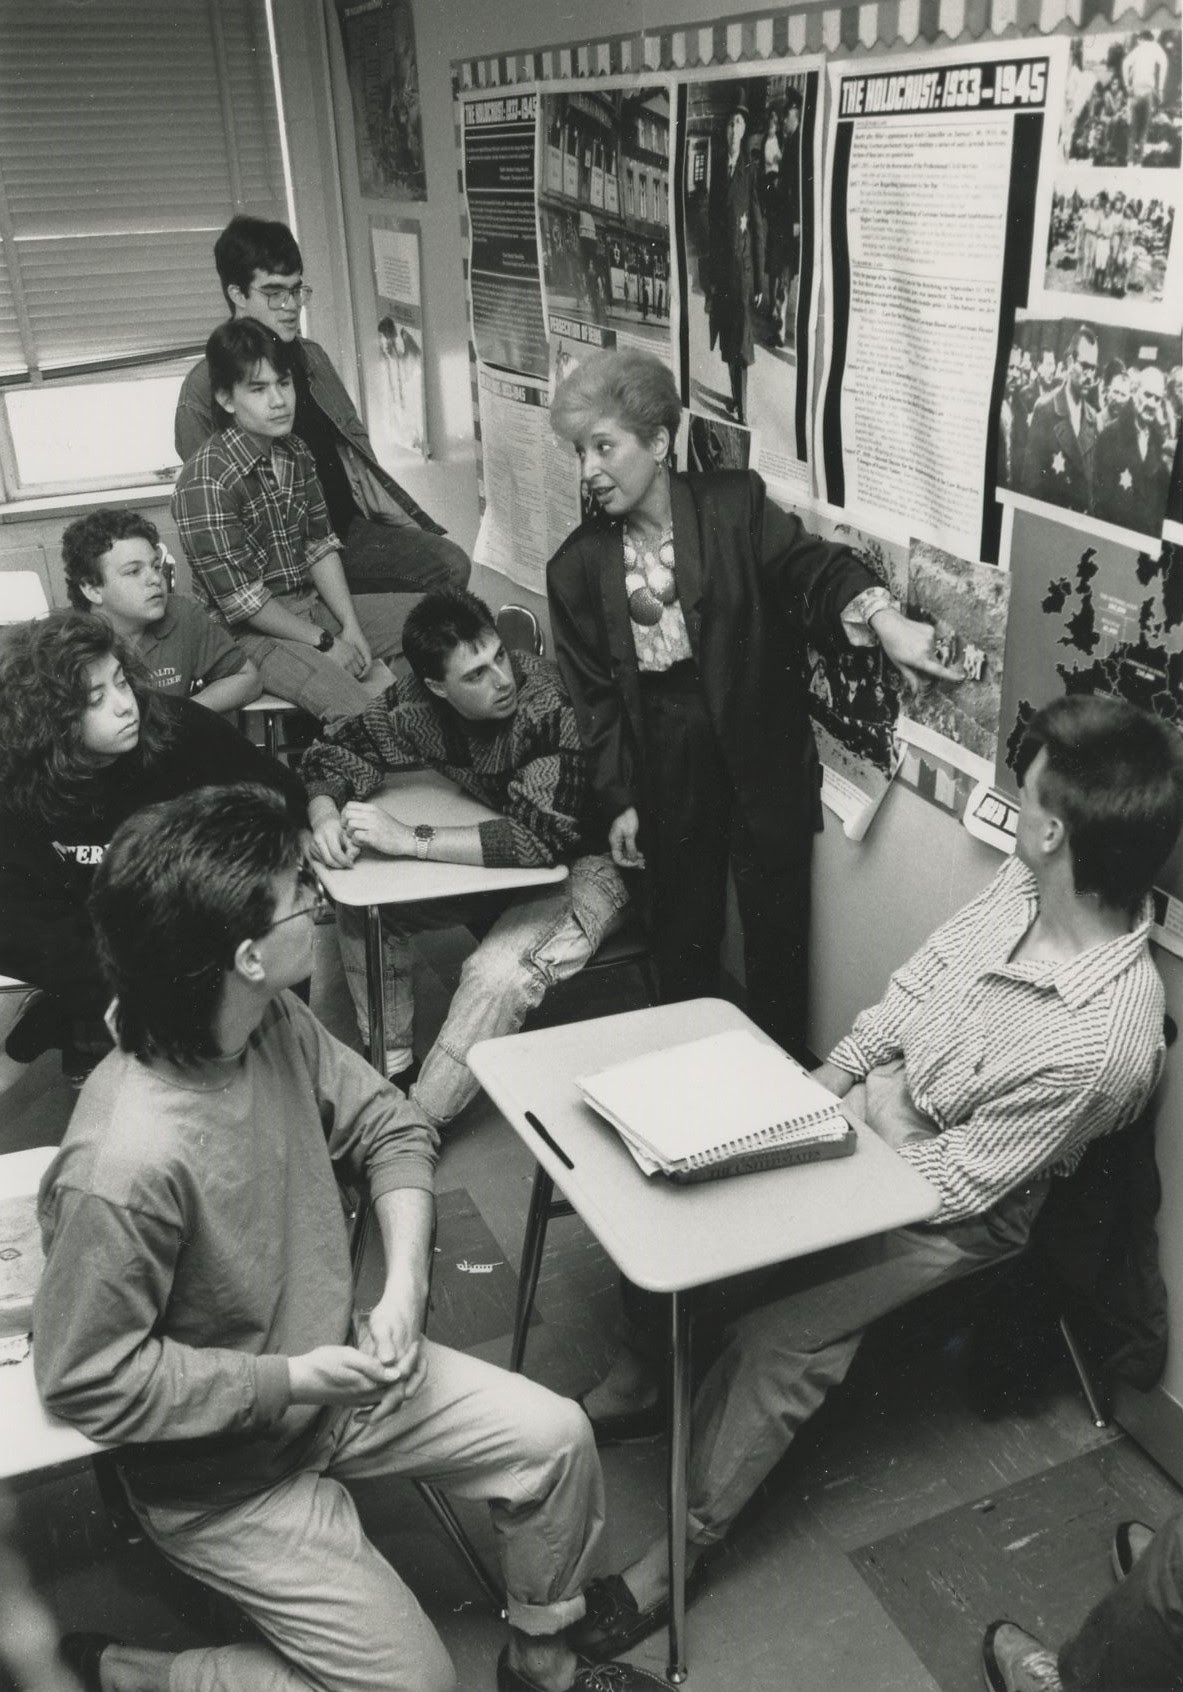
x=272 y=710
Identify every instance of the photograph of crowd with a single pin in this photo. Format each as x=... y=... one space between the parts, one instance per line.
x=1122 y=100
x=1090 y=419
x=1108 y=243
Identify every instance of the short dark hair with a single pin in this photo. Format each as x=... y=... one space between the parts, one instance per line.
x=1114 y=774
x=1113 y=368
x=181 y=886
x=438 y=624
x=90 y=538
x=248 y=244
x=46 y=775
x=236 y=349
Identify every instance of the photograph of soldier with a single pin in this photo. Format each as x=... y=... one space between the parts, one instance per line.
x=743 y=228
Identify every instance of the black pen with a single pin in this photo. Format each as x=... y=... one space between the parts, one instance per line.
x=548 y=1139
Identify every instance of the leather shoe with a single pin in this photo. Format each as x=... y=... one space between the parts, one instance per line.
x=1015 y=1661
x=589 y=1677
x=646 y=1423
x=614 y=1622
x=81 y=1652
x=1130 y=1541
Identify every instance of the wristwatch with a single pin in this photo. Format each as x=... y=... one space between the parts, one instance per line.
x=424 y=835
x=325 y=643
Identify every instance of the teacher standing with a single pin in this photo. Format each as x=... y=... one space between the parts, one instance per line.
x=681 y=611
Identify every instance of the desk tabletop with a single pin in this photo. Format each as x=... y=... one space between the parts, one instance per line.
x=32 y=1440
x=425 y=796
x=664 y=1236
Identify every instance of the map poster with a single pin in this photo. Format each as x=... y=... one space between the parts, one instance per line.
x=930 y=208
x=1090 y=615
x=505 y=288
x=383 y=71
x=748 y=150
x=604 y=215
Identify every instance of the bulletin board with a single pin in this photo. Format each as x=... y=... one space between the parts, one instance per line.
x=960 y=217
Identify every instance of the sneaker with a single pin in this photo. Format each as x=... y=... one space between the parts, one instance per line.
x=589 y=1677
x=1014 y=1661
x=1131 y=1540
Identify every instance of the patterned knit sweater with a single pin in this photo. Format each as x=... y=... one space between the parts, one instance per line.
x=531 y=768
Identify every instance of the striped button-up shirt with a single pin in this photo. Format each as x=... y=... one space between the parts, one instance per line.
x=1017 y=1064
x=253 y=522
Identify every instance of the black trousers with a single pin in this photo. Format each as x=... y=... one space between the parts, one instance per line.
x=1132 y=1641
x=692 y=830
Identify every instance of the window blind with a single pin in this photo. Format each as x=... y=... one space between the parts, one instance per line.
x=130 y=133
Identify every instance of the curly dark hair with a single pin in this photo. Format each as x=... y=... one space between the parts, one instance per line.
x=90 y=538
x=45 y=772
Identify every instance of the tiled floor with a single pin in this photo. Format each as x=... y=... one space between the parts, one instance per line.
x=890 y=1536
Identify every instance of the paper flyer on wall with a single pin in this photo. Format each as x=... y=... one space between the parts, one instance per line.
x=929 y=218
x=749 y=141
x=399 y=300
x=855 y=692
x=530 y=486
x=604 y=226
x=505 y=287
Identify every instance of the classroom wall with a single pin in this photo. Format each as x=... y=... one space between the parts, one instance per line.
x=873 y=902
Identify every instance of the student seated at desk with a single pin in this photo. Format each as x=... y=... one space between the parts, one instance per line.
x=500 y=725
x=1029 y=1024
x=265 y=559
x=197 y=1309
x=115 y=568
x=388 y=542
x=84 y=742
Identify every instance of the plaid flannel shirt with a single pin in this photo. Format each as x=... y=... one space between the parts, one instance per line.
x=532 y=768
x=253 y=522
x=1018 y=1065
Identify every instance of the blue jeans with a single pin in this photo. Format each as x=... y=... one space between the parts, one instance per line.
x=543 y=935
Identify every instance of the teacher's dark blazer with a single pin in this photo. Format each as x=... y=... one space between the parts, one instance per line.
x=754 y=587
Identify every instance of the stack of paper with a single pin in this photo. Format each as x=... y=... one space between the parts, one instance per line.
x=718 y=1106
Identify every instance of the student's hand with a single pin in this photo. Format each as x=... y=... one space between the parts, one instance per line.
x=376 y=829
x=330 y=841
x=339 y=1374
x=834 y=1080
x=344 y=653
x=909 y=645
x=393 y=1332
x=622 y=840
x=351 y=631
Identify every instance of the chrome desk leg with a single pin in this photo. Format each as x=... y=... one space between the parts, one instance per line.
x=375 y=988
x=532 y=1247
x=442 y=1510
x=679 y=1453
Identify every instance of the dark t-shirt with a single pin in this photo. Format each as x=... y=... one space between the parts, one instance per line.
x=320 y=437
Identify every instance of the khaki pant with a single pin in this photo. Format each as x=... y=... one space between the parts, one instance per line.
x=332 y=1610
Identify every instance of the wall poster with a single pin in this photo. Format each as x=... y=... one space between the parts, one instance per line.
x=399 y=295
x=383 y=71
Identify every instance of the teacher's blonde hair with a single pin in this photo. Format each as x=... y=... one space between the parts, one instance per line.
x=634 y=389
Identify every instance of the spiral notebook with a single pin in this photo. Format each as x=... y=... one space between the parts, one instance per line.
x=722 y=1105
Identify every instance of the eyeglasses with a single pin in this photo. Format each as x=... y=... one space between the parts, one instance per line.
x=278 y=298
x=320 y=909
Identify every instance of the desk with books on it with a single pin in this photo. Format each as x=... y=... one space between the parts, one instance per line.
x=665 y=1236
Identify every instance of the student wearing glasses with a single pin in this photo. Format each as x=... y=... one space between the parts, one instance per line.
x=388 y=542
x=85 y=742
x=117 y=569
